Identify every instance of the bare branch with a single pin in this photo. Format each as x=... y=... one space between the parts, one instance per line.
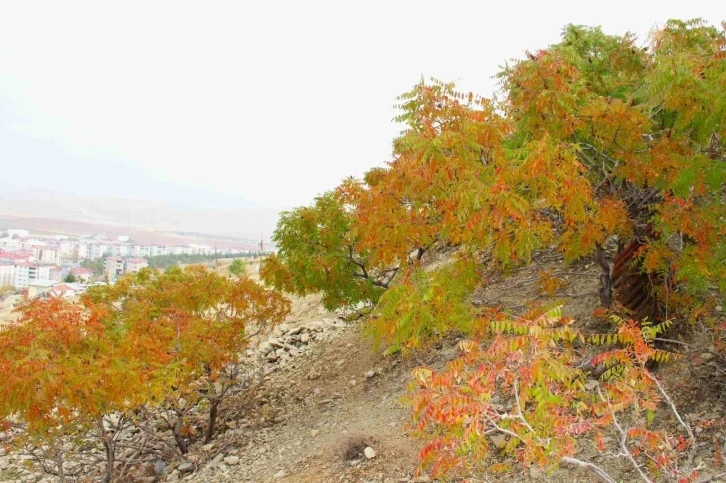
x=674 y=410
x=589 y=466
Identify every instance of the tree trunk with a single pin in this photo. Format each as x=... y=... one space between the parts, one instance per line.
x=212 y=420
x=109 y=447
x=59 y=465
x=177 y=432
x=606 y=279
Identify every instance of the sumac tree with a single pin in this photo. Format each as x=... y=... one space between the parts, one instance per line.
x=197 y=322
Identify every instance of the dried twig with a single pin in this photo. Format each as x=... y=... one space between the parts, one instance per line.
x=674 y=410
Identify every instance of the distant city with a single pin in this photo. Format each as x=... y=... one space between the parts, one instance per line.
x=54 y=264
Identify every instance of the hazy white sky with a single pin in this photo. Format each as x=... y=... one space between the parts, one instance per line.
x=244 y=104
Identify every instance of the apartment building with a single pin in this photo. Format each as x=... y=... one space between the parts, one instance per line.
x=113 y=268
x=7 y=273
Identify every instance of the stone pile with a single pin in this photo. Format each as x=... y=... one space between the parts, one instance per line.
x=286 y=342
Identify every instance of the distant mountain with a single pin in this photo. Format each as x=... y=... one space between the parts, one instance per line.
x=235 y=225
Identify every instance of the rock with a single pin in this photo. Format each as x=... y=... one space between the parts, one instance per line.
x=719 y=308
x=499 y=440
x=231 y=460
x=591 y=384
x=217 y=459
x=536 y=473
x=174 y=475
x=280 y=474
x=207 y=447
x=314 y=432
x=275 y=342
x=305 y=338
x=370 y=374
x=186 y=467
x=707 y=356
x=353 y=382
x=281 y=329
x=369 y=452
x=295 y=330
x=265 y=348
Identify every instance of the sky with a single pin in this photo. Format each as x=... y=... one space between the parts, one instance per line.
x=249 y=105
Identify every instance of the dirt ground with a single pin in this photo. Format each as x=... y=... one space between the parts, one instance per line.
x=324 y=405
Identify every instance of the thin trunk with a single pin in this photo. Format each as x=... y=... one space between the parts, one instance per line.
x=59 y=465
x=109 y=448
x=176 y=431
x=606 y=279
x=212 y=420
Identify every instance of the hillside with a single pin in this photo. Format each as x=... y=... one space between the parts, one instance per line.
x=301 y=424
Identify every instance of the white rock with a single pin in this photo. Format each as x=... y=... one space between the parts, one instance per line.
x=275 y=342
x=369 y=452
x=719 y=308
x=217 y=459
x=499 y=440
x=186 y=467
x=370 y=374
x=231 y=460
x=208 y=447
x=316 y=326
x=280 y=474
x=305 y=338
x=314 y=432
x=591 y=384
x=265 y=348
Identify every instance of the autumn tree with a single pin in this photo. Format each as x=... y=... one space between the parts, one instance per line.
x=525 y=396
x=154 y=341
x=66 y=373
x=592 y=142
x=197 y=323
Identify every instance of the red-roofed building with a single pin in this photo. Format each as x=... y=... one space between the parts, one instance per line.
x=62 y=290
x=17 y=256
x=82 y=274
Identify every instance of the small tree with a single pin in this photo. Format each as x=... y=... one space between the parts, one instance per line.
x=66 y=373
x=70 y=278
x=199 y=321
x=237 y=267
x=524 y=396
